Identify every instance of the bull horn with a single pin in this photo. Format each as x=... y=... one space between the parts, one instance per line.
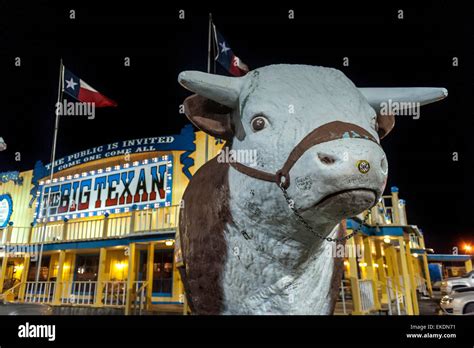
x=422 y=95
x=222 y=89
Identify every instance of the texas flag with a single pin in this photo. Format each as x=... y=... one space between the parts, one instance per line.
x=81 y=91
x=227 y=58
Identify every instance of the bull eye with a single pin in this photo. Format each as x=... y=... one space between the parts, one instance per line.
x=259 y=122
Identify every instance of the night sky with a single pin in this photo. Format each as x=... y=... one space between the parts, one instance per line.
x=383 y=51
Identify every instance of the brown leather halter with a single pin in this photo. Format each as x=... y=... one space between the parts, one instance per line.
x=327 y=132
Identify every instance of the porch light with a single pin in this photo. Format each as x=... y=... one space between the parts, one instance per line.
x=18 y=268
x=363 y=264
x=387 y=240
x=415 y=255
x=120 y=265
x=169 y=242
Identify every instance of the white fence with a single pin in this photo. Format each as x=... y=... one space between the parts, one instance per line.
x=143 y=221
x=394 y=297
x=41 y=292
x=366 y=295
x=84 y=293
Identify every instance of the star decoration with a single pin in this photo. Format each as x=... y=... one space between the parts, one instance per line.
x=224 y=48
x=71 y=84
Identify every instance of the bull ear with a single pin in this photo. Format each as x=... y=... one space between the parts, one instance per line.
x=385 y=124
x=377 y=96
x=211 y=117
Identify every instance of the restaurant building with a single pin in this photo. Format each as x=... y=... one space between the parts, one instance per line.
x=108 y=236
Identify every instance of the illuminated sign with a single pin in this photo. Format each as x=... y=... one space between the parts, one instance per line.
x=112 y=190
x=6 y=210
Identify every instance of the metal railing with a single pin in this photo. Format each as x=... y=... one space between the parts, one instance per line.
x=114 y=293
x=366 y=295
x=11 y=293
x=101 y=227
x=421 y=285
x=84 y=293
x=394 y=297
x=139 y=299
x=41 y=292
x=345 y=290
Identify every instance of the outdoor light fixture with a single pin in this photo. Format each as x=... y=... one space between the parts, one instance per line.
x=120 y=265
x=387 y=240
x=169 y=242
x=363 y=264
x=415 y=255
x=18 y=268
x=467 y=248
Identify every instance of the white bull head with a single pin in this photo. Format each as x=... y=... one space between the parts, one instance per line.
x=311 y=126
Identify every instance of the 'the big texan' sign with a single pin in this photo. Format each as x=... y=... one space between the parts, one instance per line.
x=111 y=190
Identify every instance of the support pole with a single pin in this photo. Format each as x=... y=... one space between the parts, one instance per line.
x=131 y=278
x=395 y=206
x=468 y=265
x=209 y=58
x=149 y=274
x=371 y=273
x=24 y=277
x=59 y=278
x=3 y=271
x=100 y=278
x=426 y=269
x=354 y=277
x=53 y=159
x=406 y=278
x=411 y=273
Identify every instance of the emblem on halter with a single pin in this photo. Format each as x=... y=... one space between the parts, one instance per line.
x=363 y=166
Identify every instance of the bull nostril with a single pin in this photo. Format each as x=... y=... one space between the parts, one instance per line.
x=384 y=165
x=326 y=159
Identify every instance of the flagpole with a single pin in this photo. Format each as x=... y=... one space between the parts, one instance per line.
x=53 y=159
x=208 y=71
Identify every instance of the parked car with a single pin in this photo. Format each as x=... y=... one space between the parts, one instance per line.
x=450 y=284
x=15 y=308
x=460 y=301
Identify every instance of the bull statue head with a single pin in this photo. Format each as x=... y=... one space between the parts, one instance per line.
x=307 y=131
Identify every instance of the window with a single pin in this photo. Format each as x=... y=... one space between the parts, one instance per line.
x=44 y=270
x=87 y=267
x=163 y=272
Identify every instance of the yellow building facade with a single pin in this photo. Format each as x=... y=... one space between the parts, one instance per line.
x=106 y=224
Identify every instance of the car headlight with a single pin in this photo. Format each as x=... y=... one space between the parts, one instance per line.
x=446 y=300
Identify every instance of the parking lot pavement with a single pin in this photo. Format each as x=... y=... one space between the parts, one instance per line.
x=430 y=306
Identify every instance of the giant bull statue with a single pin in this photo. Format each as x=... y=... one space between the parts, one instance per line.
x=316 y=137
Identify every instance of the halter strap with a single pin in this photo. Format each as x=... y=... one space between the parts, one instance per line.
x=327 y=132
